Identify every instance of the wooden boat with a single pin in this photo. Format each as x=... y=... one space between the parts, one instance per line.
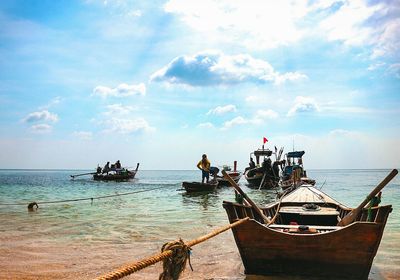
x=235 y=175
x=294 y=174
x=305 y=239
x=116 y=175
x=266 y=175
x=192 y=187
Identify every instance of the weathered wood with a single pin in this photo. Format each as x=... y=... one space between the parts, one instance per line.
x=192 y=187
x=242 y=193
x=321 y=249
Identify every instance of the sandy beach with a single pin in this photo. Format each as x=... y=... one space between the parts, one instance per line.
x=26 y=257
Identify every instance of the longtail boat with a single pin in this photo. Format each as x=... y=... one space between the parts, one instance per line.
x=234 y=174
x=122 y=174
x=264 y=174
x=293 y=173
x=192 y=187
x=309 y=233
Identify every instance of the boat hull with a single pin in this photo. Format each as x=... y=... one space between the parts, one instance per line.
x=192 y=187
x=114 y=177
x=347 y=252
x=234 y=175
x=256 y=180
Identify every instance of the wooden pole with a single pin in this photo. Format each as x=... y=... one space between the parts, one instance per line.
x=350 y=217
x=91 y=173
x=255 y=207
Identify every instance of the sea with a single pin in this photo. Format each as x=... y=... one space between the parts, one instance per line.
x=84 y=228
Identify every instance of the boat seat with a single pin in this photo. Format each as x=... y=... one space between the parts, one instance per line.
x=324 y=228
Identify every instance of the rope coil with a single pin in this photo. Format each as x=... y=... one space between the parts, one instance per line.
x=174 y=265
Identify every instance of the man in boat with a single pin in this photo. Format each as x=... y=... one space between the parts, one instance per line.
x=106 y=168
x=118 y=165
x=204 y=165
x=252 y=165
x=214 y=172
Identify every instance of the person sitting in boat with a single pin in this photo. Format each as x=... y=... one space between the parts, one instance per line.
x=118 y=165
x=204 y=165
x=106 y=168
x=252 y=165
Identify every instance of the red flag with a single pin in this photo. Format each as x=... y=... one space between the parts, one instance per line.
x=265 y=140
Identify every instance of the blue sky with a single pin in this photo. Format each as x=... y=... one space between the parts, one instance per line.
x=160 y=83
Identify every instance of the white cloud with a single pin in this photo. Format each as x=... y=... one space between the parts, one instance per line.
x=126 y=126
x=211 y=68
x=255 y=24
x=53 y=102
x=267 y=114
x=122 y=90
x=118 y=109
x=347 y=109
x=346 y=24
x=303 y=105
x=83 y=135
x=41 y=128
x=362 y=23
x=220 y=110
x=375 y=66
x=290 y=76
x=41 y=116
x=258 y=24
x=395 y=69
x=206 y=125
x=234 y=122
x=253 y=99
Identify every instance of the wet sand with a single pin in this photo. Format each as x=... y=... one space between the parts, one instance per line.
x=45 y=259
x=28 y=257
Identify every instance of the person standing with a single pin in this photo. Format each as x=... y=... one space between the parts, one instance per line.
x=204 y=165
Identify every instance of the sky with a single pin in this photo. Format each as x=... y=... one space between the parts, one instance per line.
x=162 y=82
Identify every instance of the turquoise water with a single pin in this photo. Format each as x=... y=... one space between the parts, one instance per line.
x=111 y=231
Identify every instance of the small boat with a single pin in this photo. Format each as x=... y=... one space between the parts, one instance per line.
x=310 y=234
x=121 y=174
x=192 y=187
x=235 y=175
x=294 y=174
x=265 y=175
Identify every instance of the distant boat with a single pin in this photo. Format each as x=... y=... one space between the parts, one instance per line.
x=293 y=173
x=122 y=174
x=235 y=175
x=264 y=174
x=192 y=187
x=305 y=237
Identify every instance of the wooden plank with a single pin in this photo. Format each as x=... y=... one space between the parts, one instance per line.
x=324 y=211
x=275 y=226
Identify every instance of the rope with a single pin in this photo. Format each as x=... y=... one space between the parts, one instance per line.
x=77 y=199
x=173 y=266
x=136 y=266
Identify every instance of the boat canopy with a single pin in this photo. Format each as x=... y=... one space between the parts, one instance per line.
x=297 y=154
x=262 y=152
